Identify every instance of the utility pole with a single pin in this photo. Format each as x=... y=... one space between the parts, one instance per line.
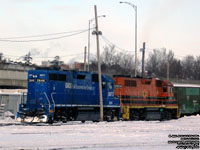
x=97 y=32
x=89 y=39
x=85 y=58
x=143 y=56
x=135 y=40
x=168 y=69
x=89 y=46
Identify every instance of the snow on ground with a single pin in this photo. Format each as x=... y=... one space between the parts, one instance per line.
x=122 y=135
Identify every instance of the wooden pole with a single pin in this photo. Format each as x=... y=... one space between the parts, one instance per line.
x=143 y=55
x=99 y=65
x=85 y=58
x=168 y=69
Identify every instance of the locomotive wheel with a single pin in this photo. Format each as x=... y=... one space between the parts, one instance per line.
x=109 y=115
x=50 y=121
x=23 y=117
x=64 y=120
x=135 y=116
x=168 y=115
x=162 y=117
x=95 y=121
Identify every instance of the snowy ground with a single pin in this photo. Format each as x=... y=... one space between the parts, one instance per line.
x=122 y=135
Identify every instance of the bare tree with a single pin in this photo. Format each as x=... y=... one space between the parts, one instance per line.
x=126 y=63
x=188 y=67
x=152 y=64
x=113 y=62
x=197 y=68
x=27 y=58
x=57 y=62
x=157 y=63
x=108 y=56
x=1 y=57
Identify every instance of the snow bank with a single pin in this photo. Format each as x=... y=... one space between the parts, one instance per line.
x=126 y=135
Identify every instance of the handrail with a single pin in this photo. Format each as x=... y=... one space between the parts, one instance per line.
x=22 y=97
x=47 y=99
x=53 y=100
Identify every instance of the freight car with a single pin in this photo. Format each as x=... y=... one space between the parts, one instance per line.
x=188 y=97
x=55 y=95
x=146 y=99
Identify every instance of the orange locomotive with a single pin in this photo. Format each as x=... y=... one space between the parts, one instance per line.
x=146 y=99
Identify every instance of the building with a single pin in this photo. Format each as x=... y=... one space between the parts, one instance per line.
x=10 y=100
x=13 y=84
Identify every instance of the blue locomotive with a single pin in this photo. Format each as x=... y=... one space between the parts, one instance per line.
x=55 y=95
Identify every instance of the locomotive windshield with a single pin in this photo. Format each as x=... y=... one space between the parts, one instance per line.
x=164 y=88
x=57 y=77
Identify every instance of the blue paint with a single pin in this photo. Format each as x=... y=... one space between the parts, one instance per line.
x=49 y=89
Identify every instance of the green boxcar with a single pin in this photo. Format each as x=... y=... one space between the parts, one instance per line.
x=188 y=97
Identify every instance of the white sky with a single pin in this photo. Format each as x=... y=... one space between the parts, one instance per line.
x=173 y=24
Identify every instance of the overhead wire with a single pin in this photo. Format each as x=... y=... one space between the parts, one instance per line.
x=35 y=57
x=41 y=35
x=117 y=47
x=112 y=44
x=45 y=39
x=70 y=33
x=73 y=55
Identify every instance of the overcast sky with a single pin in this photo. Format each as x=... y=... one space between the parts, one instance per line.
x=173 y=24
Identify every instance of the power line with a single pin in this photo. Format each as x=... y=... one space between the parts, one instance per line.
x=58 y=55
x=45 y=57
x=41 y=35
x=46 y=39
x=111 y=44
x=73 y=55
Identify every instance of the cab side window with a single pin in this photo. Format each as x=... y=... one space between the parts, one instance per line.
x=164 y=88
x=103 y=84
x=110 y=85
x=170 y=89
x=57 y=77
x=95 y=78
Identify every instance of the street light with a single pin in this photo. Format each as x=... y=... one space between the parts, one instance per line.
x=135 y=8
x=89 y=39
